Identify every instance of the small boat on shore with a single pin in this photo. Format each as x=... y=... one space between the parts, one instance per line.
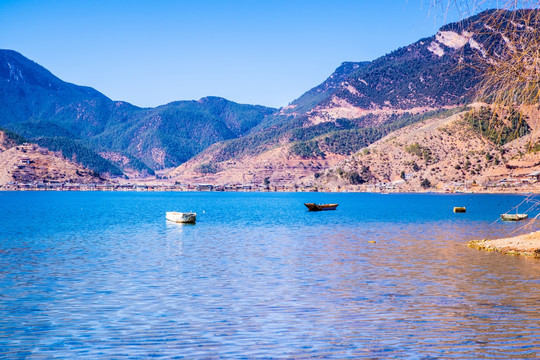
x=181 y=217
x=460 y=209
x=320 y=207
x=514 y=217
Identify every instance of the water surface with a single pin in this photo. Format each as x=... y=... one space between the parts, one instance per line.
x=103 y=275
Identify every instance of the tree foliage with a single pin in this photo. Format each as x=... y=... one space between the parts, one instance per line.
x=74 y=150
x=425 y=183
x=207 y=168
x=308 y=150
x=16 y=138
x=489 y=124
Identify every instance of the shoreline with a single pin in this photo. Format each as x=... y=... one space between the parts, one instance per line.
x=152 y=188
x=344 y=191
x=527 y=244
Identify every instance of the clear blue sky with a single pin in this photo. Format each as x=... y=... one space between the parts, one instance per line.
x=259 y=52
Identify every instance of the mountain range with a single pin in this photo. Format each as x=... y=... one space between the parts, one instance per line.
x=113 y=136
x=357 y=105
x=214 y=140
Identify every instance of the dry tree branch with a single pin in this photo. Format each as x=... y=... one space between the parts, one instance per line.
x=509 y=62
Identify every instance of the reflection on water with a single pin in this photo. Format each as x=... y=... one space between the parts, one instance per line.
x=173 y=235
x=259 y=276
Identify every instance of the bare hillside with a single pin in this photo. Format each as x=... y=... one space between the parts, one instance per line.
x=443 y=153
x=29 y=163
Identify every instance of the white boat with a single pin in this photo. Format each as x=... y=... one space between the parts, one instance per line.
x=181 y=217
x=514 y=217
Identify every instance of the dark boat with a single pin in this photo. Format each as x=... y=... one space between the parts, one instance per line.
x=320 y=207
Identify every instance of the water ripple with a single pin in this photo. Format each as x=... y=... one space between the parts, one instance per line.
x=260 y=277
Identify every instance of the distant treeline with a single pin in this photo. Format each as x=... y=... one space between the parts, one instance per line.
x=346 y=137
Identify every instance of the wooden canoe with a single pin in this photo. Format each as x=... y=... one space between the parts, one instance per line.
x=320 y=207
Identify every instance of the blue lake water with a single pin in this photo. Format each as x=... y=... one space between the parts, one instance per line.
x=103 y=275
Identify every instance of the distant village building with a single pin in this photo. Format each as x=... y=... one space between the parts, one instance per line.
x=535 y=176
x=205 y=187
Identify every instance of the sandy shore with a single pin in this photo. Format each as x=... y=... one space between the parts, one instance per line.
x=526 y=244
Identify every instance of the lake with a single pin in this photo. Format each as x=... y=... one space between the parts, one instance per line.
x=104 y=275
